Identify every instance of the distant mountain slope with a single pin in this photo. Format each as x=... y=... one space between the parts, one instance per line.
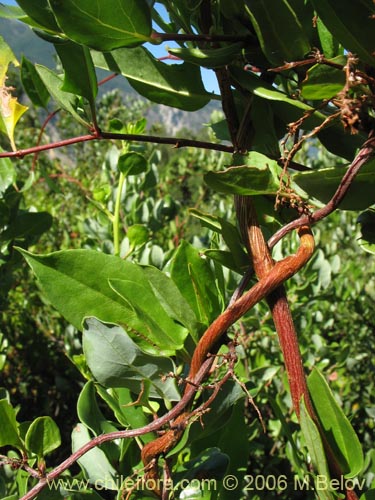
x=23 y=41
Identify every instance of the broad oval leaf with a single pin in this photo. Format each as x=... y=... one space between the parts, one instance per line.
x=132 y=163
x=116 y=361
x=138 y=235
x=176 y=85
x=42 y=437
x=104 y=24
x=337 y=428
x=40 y=12
x=324 y=82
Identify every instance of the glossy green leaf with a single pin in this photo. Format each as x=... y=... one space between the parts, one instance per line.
x=313 y=442
x=209 y=58
x=351 y=23
x=94 y=463
x=7 y=173
x=322 y=184
x=9 y=431
x=171 y=299
x=337 y=428
x=279 y=31
x=161 y=331
x=323 y=81
x=33 y=84
x=42 y=437
x=66 y=100
x=132 y=163
x=79 y=70
x=330 y=46
x=367 y=222
x=196 y=282
x=257 y=177
x=105 y=24
x=176 y=85
x=116 y=361
x=76 y=283
x=40 y=12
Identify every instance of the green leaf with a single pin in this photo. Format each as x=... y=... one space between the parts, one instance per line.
x=209 y=58
x=160 y=330
x=89 y=414
x=28 y=226
x=79 y=76
x=138 y=235
x=337 y=428
x=289 y=110
x=313 y=442
x=9 y=431
x=367 y=222
x=94 y=463
x=324 y=82
x=42 y=437
x=171 y=299
x=351 y=23
x=104 y=24
x=76 y=283
x=196 y=282
x=278 y=29
x=258 y=177
x=7 y=174
x=322 y=184
x=330 y=45
x=116 y=361
x=176 y=85
x=33 y=84
x=132 y=164
x=66 y=100
x=40 y=12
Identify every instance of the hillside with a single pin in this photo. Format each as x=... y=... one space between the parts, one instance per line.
x=24 y=42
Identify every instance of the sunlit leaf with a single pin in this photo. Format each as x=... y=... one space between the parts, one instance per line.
x=42 y=437
x=176 y=85
x=104 y=24
x=9 y=430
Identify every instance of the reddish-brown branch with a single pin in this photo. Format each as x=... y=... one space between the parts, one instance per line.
x=366 y=152
x=173 y=141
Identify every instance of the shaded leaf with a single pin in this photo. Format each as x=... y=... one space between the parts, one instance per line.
x=116 y=361
x=40 y=12
x=209 y=58
x=104 y=24
x=9 y=432
x=176 y=85
x=66 y=100
x=33 y=84
x=322 y=184
x=351 y=23
x=7 y=173
x=367 y=222
x=42 y=437
x=94 y=463
x=278 y=29
x=79 y=71
x=196 y=282
x=324 y=82
x=337 y=428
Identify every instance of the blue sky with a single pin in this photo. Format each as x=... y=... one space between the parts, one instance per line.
x=209 y=78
